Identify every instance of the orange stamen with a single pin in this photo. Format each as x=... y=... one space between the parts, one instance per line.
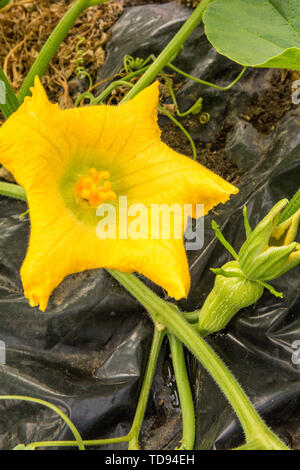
x=93 y=189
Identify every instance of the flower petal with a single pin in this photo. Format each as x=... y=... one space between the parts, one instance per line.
x=31 y=145
x=60 y=245
x=161 y=175
x=54 y=149
x=115 y=134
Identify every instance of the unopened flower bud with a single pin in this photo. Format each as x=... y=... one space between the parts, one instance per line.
x=270 y=250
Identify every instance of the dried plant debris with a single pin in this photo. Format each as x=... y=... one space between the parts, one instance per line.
x=134 y=3
x=25 y=27
x=189 y=3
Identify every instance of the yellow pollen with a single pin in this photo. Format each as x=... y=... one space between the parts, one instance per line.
x=93 y=189
x=85 y=193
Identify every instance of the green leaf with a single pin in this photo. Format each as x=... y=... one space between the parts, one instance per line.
x=3 y=3
x=256 y=33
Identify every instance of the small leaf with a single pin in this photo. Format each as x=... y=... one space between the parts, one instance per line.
x=256 y=33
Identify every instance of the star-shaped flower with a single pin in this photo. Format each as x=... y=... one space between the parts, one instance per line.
x=72 y=161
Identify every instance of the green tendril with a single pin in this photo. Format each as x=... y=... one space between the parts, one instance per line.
x=223 y=240
x=79 y=441
x=178 y=124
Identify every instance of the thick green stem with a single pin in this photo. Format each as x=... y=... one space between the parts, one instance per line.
x=170 y=50
x=162 y=312
x=52 y=44
x=184 y=392
x=147 y=382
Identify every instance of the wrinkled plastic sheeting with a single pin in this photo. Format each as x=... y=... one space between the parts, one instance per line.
x=87 y=353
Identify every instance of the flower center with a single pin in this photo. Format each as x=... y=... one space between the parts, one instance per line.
x=95 y=188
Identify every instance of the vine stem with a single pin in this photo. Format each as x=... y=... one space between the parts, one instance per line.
x=72 y=427
x=172 y=318
x=169 y=51
x=184 y=392
x=159 y=334
x=52 y=44
x=96 y=442
x=133 y=436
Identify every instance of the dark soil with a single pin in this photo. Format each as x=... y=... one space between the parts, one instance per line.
x=209 y=154
x=268 y=109
x=263 y=112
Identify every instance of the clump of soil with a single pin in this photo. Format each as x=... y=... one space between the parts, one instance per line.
x=265 y=111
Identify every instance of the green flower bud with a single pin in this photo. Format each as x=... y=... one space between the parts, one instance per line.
x=270 y=250
x=231 y=292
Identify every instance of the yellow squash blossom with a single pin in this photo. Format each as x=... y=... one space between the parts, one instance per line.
x=71 y=161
